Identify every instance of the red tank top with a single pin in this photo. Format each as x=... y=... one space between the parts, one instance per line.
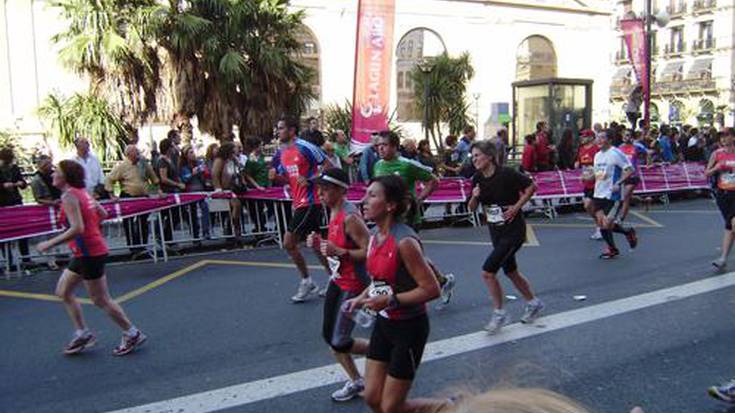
x=586 y=159
x=352 y=276
x=726 y=179
x=89 y=243
x=386 y=269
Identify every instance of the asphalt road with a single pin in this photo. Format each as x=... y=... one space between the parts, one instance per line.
x=229 y=321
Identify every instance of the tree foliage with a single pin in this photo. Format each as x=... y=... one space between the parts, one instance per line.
x=447 y=101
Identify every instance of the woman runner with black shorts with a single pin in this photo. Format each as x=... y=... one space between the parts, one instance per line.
x=721 y=166
x=402 y=284
x=503 y=192
x=345 y=249
x=83 y=216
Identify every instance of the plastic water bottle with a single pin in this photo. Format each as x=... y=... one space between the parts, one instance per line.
x=363 y=317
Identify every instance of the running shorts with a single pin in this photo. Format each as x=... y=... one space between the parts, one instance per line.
x=400 y=344
x=90 y=268
x=305 y=221
x=609 y=207
x=632 y=180
x=336 y=325
x=503 y=254
x=589 y=193
x=726 y=204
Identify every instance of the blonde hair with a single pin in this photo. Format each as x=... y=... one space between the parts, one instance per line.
x=530 y=400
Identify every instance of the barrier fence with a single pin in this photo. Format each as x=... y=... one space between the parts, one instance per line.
x=155 y=226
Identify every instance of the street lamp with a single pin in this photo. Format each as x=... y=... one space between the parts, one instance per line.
x=476 y=96
x=662 y=19
x=426 y=65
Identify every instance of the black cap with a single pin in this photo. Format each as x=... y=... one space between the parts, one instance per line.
x=334 y=176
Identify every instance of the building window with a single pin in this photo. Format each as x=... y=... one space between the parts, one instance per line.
x=677 y=39
x=400 y=80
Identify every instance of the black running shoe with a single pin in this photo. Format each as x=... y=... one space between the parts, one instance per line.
x=609 y=254
x=79 y=343
x=128 y=344
x=632 y=238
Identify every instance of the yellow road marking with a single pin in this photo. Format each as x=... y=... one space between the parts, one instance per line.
x=531 y=239
x=654 y=223
x=261 y=264
x=160 y=281
x=35 y=296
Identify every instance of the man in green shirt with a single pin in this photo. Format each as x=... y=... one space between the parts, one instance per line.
x=342 y=149
x=411 y=171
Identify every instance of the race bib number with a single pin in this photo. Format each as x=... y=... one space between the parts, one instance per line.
x=727 y=180
x=379 y=288
x=334 y=264
x=588 y=173
x=494 y=215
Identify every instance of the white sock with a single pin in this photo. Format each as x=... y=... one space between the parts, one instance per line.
x=307 y=280
x=500 y=311
x=535 y=301
x=132 y=331
x=82 y=332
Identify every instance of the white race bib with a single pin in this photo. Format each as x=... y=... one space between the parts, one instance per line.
x=379 y=288
x=334 y=264
x=494 y=215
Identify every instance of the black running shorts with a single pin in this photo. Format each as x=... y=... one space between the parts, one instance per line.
x=609 y=207
x=90 y=268
x=589 y=193
x=400 y=344
x=632 y=180
x=503 y=255
x=336 y=325
x=305 y=221
x=726 y=204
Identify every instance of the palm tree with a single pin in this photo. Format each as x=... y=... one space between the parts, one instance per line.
x=447 y=99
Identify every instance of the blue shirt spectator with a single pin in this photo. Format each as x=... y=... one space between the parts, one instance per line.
x=667 y=151
x=367 y=161
x=463 y=147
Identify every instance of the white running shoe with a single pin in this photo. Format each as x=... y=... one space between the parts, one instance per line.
x=597 y=235
x=447 y=291
x=720 y=264
x=497 y=321
x=349 y=391
x=532 y=311
x=306 y=289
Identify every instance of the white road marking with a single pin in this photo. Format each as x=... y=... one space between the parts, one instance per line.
x=278 y=386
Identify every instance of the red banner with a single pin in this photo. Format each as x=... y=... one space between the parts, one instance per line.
x=634 y=34
x=373 y=58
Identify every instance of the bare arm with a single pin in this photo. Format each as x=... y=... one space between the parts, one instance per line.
x=217 y=168
x=163 y=171
x=358 y=232
x=712 y=166
x=526 y=195
x=76 y=224
x=429 y=187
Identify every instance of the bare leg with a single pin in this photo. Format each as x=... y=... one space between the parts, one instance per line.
x=522 y=284
x=68 y=282
x=375 y=376
x=290 y=243
x=101 y=297
x=727 y=239
x=394 y=400
x=345 y=360
x=627 y=195
x=496 y=290
x=235 y=213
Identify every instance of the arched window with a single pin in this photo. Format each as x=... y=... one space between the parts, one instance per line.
x=654 y=113
x=413 y=47
x=310 y=56
x=675 y=112
x=535 y=59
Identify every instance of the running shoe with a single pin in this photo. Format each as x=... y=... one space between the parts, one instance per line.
x=447 y=290
x=632 y=238
x=79 y=343
x=725 y=392
x=129 y=343
x=532 y=311
x=349 y=391
x=609 y=254
x=497 y=321
x=720 y=264
x=306 y=289
x=597 y=235
x=323 y=291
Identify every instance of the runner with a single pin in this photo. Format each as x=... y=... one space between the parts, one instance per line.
x=586 y=161
x=402 y=284
x=635 y=152
x=503 y=192
x=391 y=163
x=612 y=168
x=724 y=392
x=296 y=162
x=84 y=217
x=345 y=249
x=721 y=166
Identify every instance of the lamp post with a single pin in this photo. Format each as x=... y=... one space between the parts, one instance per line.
x=426 y=66
x=662 y=19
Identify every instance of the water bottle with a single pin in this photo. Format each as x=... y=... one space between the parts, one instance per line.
x=363 y=317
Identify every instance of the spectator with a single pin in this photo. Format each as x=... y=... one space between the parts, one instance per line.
x=675 y=147
x=529 y=159
x=256 y=174
x=342 y=149
x=226 y=176
x=174 y=136
x=11 y=181
x=94 y=179
x=409 y=150
x=44 y=192
x=665 y=147
x=170 y=179
x=332 y=157
x=500 y=140
x=543 y=147
x=451 y=160
x=242 y=159
x=313 y=134
x=368 y=160
x=209 y=158
x=134 y=174
x=425 y=157
x=194 y=175
x=566 y=150
x=464 y=144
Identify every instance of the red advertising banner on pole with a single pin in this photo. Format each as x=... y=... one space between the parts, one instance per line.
x=373 y=58
x=634 y=34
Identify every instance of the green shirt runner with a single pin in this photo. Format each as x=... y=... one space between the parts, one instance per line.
x=410 y=170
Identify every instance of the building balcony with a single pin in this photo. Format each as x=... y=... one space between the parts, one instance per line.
x=679 y=87
x=700 y=46
x=620 y=90
x=677 y=11
x=672 y=50
x=703 y=6
x=701 y=85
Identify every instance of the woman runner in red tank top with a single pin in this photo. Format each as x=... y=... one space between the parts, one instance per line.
x=721 y=167
x=345 y=249
x=83 y=215
x=402 y=284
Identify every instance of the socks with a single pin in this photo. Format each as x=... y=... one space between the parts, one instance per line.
x=132 y=331
x=500 y=311
x=607 y=235
x=80 y=333
x=307 y=280
x=534 y=302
